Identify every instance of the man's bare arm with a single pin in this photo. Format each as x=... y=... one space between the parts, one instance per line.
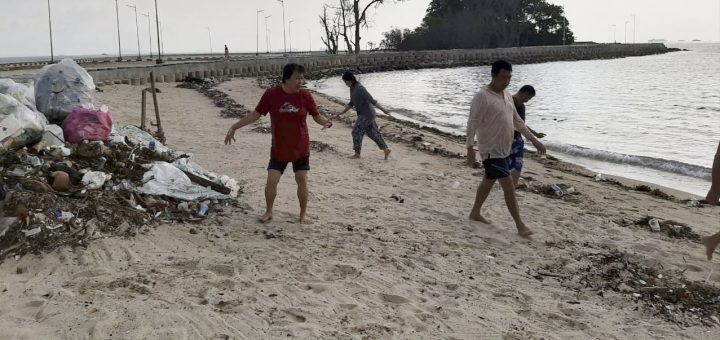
x=247 y=120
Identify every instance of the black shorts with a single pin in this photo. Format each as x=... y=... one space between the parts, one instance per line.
x=302 y=164
x=496 y=168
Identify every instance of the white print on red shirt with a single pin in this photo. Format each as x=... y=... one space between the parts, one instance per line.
x=288 y=108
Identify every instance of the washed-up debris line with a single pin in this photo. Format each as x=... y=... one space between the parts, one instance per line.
x=670 y=228
x=268 y=82
x=320 y=146
x=560 y=191
x=207 y=86
x=554 y=163
x=403 y=132
x=43 y=212
x=662 y=293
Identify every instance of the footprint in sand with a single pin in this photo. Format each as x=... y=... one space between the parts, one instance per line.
x=562 y=322
x=317 y=288
x=341 y=272
x=396 y=299
x=296 y=315
x=90 y=273
x=348 y=306
x=35 y=304
x=222 y=270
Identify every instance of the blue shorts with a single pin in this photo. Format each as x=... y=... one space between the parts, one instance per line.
x=515 y=160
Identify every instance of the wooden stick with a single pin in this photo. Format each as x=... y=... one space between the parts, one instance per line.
x=207 y=183
x=160 y=133
x=143 y=115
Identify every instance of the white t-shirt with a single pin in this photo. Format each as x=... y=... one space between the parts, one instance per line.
x=493 y=121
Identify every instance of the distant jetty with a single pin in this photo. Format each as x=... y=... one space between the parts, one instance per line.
x=177 y=70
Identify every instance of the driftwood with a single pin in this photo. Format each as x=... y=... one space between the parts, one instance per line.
x=207 y=183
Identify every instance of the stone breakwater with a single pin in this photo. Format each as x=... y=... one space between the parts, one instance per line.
x=370 y=62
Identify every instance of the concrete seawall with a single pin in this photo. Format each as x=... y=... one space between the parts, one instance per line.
x=139 y=75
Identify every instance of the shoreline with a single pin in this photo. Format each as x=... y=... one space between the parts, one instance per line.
x=627 y=183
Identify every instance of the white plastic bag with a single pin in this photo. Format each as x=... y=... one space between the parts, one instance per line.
x=19 y=125
x=94 y=180
x=164 y=179
x=136 y=136
x=61 y=88
x=20 y=92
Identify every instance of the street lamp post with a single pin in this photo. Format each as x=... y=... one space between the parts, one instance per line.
x=257 y=32
x=52 y=52
x=290 y=33
x=160 y=46
x=210 y=38
x=614 y=34
x=564 y=27
x=267 y=39
x=117 y=18
x=149 y=32
x=137 y=30
x=634 y=27
x=162 y=40
x=283 y=13
x=309 y=41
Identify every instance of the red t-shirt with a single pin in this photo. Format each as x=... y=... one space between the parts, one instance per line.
x=288 y=118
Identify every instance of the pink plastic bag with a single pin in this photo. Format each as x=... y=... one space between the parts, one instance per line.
x=84 y=124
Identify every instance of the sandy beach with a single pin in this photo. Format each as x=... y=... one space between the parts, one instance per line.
x=390 y=253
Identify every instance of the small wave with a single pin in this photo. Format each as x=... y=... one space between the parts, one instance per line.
x=660 y=164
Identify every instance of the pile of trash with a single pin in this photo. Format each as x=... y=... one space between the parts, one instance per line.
x=88 y=177
x=670 y=228
x=662 y=293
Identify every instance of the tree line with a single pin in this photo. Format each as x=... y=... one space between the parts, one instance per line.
x=452 y=24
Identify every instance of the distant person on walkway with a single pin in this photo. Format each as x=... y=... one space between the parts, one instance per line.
x=227 y=52
x=288 y=105
x=492 y=121
x=365 y=124
x=515 y=161
x=712 y=198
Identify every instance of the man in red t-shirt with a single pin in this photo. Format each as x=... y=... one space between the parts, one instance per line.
x=288 y=106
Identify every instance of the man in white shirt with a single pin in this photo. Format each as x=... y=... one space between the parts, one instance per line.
x=492 y=121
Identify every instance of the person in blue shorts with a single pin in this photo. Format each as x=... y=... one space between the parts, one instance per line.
x=515 y=160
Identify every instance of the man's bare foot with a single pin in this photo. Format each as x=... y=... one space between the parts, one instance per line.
x=710 y=245
x=524 y=231
x=304 y=220
x=479 y=218
x=387 y=153
x=267 y=217
x=355 y=156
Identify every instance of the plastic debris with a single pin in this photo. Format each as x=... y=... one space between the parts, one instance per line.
x=654 y=225
x=94 y=180
x=61 y=88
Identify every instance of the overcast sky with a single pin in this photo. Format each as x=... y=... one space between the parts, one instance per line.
x=89 y=27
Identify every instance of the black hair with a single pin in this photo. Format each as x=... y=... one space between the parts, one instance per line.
x=528 y=89
x=291 y=68
x=499 y=66
x=349 y=77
